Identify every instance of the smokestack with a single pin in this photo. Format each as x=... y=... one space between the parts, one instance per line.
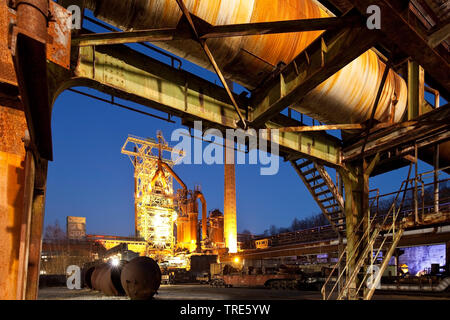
x=230 y=228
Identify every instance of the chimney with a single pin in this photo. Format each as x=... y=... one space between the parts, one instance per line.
x=230 y=228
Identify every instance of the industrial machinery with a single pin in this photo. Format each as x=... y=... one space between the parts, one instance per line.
x=155 y=211
x=281 y=277
x=159 y=210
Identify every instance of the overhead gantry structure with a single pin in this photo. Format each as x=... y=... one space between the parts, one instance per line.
x=318 y=58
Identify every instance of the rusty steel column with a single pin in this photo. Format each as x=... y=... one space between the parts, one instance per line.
x=36 y=230
x=230 y=227
x=19 y=170
x=12 y=184
x=25 y=227
x=354 y=187
x=13 y=209
x=356 y=184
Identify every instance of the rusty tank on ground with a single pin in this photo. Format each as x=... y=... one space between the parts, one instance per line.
x=106 y=278
x=346 y=97
x=141 y=278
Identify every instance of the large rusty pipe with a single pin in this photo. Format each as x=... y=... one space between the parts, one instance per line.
x=141 y=278
x=32 y=16
x=106 y=278
x=346 y=97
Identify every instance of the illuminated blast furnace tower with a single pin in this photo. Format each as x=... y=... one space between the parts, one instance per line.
x=155 y=212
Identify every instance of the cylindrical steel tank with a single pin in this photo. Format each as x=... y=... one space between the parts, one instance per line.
x=141 y=278
x=347 y=97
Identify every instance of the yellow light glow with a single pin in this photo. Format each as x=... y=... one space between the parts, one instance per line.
x=236 y=259
x=115 y=262
x=404 y=268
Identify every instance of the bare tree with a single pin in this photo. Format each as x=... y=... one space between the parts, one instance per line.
x=54 y=232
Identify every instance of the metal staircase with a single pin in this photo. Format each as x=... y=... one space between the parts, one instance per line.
x=382 y=231
x=323 y=190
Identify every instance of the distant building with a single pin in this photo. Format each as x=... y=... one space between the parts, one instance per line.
x=138 y=245
x=76 y=228
x=262 y=243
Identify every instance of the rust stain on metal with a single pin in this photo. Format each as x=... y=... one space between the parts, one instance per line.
x=58 y=46
x=12 y=130
x=58 y=51
x=7 y=73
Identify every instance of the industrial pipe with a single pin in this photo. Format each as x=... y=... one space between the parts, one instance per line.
x=165 y=165
x=442 y=286
x=32 y=16
x=96 y=276
x=346 y=97
x=106 y=278
x=141 y=278
x=200 y=196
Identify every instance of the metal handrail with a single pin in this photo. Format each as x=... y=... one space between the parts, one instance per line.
x=375 y=235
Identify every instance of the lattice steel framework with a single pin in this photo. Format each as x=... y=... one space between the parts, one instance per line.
x=155 y=211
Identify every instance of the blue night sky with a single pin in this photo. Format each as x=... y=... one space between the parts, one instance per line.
x=90 y=177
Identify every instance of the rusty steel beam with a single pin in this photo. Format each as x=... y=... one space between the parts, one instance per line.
x=108 y=38
x=213 y=62
x=399 y=32
x=220 y=31
x=133 y=76
x=351 y=126
x=302 y=25
x=439 y=34
x=323 y=58
x=260 y=28
x=432 y=127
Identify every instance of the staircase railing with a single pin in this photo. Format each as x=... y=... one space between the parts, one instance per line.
x=371 y=233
